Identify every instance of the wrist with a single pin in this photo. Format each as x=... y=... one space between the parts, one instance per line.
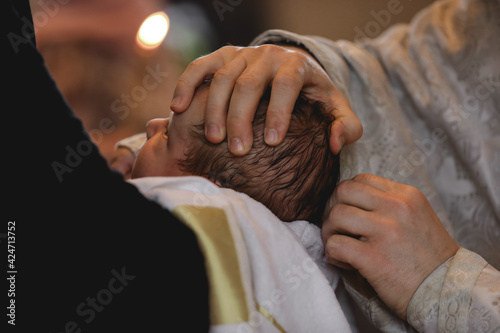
x=422 y=310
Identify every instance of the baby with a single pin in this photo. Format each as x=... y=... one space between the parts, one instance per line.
x=294 y=179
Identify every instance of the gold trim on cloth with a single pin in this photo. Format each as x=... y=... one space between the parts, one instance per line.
x=269 y=317
x=227 y=295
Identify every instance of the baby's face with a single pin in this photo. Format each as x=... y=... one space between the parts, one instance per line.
x=167 y=139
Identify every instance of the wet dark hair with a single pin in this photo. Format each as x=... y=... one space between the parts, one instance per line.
x=294 y=179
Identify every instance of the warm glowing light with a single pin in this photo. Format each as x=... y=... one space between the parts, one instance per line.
x=153 y=30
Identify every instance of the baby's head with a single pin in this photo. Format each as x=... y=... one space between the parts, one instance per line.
x=294 y=179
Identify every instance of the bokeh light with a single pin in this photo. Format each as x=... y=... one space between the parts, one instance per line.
x=153 y=30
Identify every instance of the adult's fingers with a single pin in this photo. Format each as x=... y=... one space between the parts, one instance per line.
x=286 y=87
x=358 y=194
x=248 y=91
x=196 y=72
x=346 y=128
x=285 y=71
x=344 y=251
x=317 y=85
x=349 y=220
x=380 y=183
x=364 y=191
x=219 y=96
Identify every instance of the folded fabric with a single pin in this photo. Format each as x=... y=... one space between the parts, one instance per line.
x=262 y=278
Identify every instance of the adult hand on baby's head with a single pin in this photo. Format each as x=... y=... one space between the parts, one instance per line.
x=240 y=76
x=398 y=238
x=122 y=161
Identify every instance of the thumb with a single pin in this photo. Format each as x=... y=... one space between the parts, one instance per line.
x=346 y=129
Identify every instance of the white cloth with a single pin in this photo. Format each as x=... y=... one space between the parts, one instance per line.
x=133 y=143
x=278 y=273
x=428 y=96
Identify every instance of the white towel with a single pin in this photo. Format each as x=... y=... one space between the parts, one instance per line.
x=270 y=283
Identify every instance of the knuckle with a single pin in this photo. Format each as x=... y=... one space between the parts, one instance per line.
x=364 y=177
x=413 y=193
x=228 y=49
x=182 y=82
x=409 y=193
x=287 y=81
x=413 y=198
x=223 y=75
x=306 y=64
x=299 y=59
x=247 y=83
x=238 y=122
x=403 y=205
x=195 y=64
x=335 y=245
x=336 y=213
x=399 y=202
x=229 y=52
x=342 y=190
x=269 y=48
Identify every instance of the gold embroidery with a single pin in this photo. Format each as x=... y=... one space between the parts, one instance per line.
x=227 y=294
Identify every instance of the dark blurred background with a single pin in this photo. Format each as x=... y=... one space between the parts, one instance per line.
x=115 y=84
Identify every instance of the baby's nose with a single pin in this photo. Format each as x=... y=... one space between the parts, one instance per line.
x=155 y=125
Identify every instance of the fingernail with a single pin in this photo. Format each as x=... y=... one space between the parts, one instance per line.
x=235 y=145
x=175 y=102
x=213 y=131
x=271 y=136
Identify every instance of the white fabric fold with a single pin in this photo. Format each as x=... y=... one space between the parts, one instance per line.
x=285 y=279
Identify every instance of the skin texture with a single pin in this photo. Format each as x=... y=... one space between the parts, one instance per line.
x=160 y=153
x=389 y=233
x=240 y=75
